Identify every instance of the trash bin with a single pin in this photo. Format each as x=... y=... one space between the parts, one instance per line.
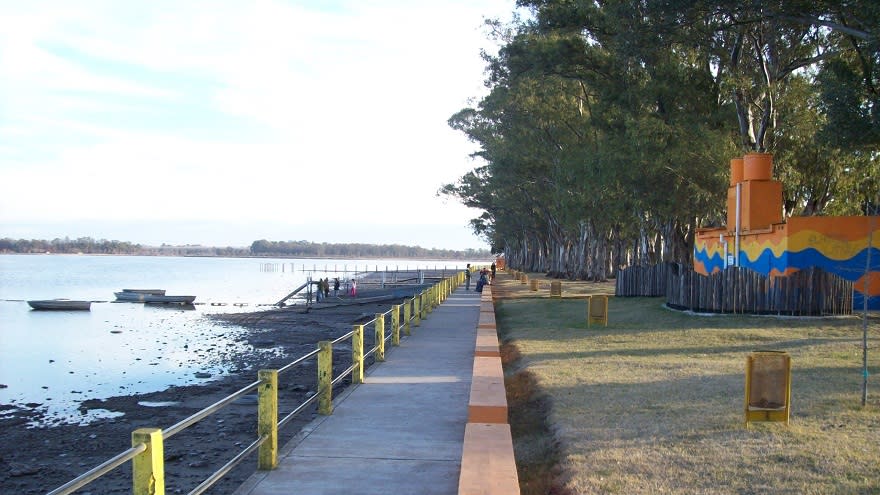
x=556 y=289
x=597 y=309
x=768 y=386
x=533 y=285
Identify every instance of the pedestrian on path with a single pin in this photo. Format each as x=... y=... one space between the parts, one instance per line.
x=467 y=277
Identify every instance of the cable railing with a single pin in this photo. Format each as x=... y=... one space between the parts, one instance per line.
x=147 y=451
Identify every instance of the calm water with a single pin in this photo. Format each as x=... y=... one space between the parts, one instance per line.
x=51 y=360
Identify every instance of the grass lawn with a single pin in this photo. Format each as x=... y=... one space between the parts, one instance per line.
x=653 y=403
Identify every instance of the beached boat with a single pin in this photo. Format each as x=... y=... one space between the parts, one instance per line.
x=61 y=304
x=137 y=295
x=154 y=298
x=147 y=297
x=130 y=296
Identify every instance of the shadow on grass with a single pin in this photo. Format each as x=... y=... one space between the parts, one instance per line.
x=535 y=449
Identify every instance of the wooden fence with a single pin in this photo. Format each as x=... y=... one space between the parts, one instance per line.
x=643 y=281
x=808 y=292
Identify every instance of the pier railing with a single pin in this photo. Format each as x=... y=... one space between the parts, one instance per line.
x=147 y=451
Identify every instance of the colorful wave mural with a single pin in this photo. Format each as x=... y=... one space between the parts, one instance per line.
x=836 y=244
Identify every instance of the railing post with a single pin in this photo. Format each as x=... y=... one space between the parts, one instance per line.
x=426 y=302
x=417 y=309
x=380 y=337
x=357 y=354
x=325 y=377
x=406 y=316
x=423 y=303
x=395 y=325
x=267 y=419
x=148 y=468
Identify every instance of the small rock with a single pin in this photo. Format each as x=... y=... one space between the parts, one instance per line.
x=202 y=374
x=19 y=470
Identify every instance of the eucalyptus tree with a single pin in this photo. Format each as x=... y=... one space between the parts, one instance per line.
x=666 y=136
x=609 y=123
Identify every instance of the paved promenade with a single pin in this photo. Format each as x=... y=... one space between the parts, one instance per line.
x=401 y=431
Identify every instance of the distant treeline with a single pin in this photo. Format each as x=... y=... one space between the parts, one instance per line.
x=305 y=249
x=289 y=249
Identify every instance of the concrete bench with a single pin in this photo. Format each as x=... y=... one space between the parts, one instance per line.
x=488 y=466
x=487 y=343
x=487 y=320
x=488 y=398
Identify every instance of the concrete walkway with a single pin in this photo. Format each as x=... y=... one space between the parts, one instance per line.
x=402 y=430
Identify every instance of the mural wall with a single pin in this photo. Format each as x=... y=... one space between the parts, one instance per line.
x=774 y=247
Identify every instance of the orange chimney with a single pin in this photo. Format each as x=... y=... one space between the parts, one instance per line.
x=760 y=195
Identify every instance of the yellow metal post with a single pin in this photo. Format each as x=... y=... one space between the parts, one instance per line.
x=357 y=354
x=380 y=337
x=267 y=419
x=429 y=301
x=148 y=468
x=417 y=309
x=325 y=377
x=406 y=317
x=395 y=325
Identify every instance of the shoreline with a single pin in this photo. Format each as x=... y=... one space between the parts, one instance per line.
x=39 y=459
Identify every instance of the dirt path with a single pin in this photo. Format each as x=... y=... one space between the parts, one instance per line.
x=38 y=460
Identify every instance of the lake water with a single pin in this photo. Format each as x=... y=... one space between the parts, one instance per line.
x=52 y=360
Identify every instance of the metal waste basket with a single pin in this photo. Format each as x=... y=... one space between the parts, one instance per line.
x=768 y=386
x=597 y=309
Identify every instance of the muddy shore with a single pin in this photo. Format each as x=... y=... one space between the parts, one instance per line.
x=38 y=460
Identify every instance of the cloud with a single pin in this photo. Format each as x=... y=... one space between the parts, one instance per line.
x=234 y=110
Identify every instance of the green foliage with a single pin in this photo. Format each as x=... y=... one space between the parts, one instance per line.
x=608 y=127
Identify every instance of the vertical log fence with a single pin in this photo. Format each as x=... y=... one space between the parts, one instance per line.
x=807 y=292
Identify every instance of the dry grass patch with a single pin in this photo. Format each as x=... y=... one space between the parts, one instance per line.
x=653 y=402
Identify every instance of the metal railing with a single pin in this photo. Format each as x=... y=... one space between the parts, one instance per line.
x=147 y=450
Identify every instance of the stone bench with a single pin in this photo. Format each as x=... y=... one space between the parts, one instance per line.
x=488 y=466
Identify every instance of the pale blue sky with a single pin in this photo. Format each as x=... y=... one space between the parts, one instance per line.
x=223 y=122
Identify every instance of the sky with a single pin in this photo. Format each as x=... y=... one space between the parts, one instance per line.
x=224 y=122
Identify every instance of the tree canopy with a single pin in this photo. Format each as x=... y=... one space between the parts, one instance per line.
x=607 y=131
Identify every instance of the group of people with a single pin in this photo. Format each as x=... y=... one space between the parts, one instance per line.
x=323 y=289
x=486 y=276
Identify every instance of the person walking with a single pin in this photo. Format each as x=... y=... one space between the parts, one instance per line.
x=467 y=277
